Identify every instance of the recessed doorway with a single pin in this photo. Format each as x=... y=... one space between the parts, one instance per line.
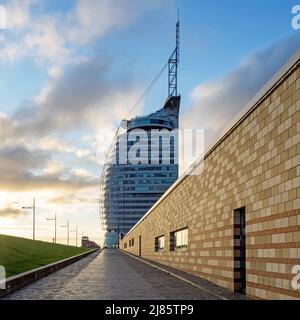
x=240 y=250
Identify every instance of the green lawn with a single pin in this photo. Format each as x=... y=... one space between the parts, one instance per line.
x=18 y=255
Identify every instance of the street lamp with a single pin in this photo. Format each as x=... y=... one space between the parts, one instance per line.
x=76 y=230
x=68 y=229
x=55 y=225
x=33 y=220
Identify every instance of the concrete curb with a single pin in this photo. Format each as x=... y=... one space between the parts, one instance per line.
x=23 y=279
x=175 y=275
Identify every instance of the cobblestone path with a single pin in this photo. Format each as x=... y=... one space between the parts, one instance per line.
x=109 y=275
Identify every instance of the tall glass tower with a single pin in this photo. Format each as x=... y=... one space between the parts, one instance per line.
x=129 y=188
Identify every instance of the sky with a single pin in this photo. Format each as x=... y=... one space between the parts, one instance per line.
x=72 y=69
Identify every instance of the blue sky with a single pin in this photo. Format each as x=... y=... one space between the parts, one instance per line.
x=215 y=36
x=71 y=68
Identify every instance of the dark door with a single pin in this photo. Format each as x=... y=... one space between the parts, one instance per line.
x=240 y=250
x=140 y=246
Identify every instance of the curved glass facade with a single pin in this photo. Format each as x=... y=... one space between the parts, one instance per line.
x=129 y=188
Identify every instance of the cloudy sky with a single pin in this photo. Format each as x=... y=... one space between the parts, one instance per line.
x=72 y=69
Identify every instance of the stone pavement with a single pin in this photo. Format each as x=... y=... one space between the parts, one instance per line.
x=108 y=275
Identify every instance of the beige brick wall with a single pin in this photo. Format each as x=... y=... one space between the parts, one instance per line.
x=256 y=165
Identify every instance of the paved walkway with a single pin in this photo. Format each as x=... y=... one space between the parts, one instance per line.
x=110 y=275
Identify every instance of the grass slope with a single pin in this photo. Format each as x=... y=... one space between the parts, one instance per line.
x=18 y=255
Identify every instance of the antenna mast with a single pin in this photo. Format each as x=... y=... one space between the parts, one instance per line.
x=173 y=63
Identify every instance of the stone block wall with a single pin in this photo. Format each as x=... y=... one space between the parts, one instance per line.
x=255 y=165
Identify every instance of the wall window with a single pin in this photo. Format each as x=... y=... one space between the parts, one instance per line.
x=131 y=242
x=179 y=240
x=160 y=243
x=125 y=245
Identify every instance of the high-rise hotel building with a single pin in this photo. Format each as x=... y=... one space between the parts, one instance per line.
x=128 y=189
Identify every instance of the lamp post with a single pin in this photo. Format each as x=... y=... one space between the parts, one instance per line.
x=33 y=218
x=76 y=230
x=55 y=225
x=68 y=229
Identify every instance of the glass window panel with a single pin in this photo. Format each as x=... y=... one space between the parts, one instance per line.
x=161 y=243
x=181 y=239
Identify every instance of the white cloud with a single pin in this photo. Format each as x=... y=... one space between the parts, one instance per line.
x=82 y=173
x=95 y=18
x=80 y=153
x=18 y=14
x=7 y=128
x=37 y=36
x=54 y=167
x=55 y=72
x=55 y=38
x=12 y=51
x=39 y=39
x=83 y=96
x=53 y=144
x=11 y=212
x=45 y=41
